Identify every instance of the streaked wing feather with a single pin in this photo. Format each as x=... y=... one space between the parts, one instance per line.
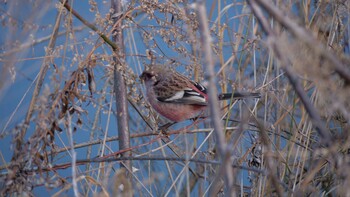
x=178 y=93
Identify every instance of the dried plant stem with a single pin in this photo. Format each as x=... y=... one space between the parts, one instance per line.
x=39 y=83
x=153 y=158
x=91 y=26
x=120 y=84
x=225 y=169
x=293 y=78
x=307 y=38
x=74 y=156
x=37 y=41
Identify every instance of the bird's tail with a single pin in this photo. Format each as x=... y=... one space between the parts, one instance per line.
x=238 y=95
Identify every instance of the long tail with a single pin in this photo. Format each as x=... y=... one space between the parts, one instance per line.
x=239 y=95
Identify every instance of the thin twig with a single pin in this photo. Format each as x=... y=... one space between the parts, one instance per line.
x=293 y=78
x=225 y=169
x=91 y=26
x=37 y=41
x=307 y=38
x=74 y=155
x=42 y=73
x=154 y=158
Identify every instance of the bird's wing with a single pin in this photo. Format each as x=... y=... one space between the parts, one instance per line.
x=193 y=94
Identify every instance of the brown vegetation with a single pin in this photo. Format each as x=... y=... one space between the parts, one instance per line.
x=86 y=112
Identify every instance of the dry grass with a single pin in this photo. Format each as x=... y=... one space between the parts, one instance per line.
x=294 y=141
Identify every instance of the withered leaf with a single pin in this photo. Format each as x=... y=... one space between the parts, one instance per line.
x=91 y=80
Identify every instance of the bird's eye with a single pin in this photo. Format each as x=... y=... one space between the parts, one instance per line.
x=146 y=76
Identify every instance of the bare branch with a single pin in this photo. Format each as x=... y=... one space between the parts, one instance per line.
x=120 y=84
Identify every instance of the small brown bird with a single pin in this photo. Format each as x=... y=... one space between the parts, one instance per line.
x=176 y=97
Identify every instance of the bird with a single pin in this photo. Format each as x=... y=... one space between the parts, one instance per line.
x=177 y=97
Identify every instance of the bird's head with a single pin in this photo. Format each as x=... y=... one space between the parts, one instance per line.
x=154 y=73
